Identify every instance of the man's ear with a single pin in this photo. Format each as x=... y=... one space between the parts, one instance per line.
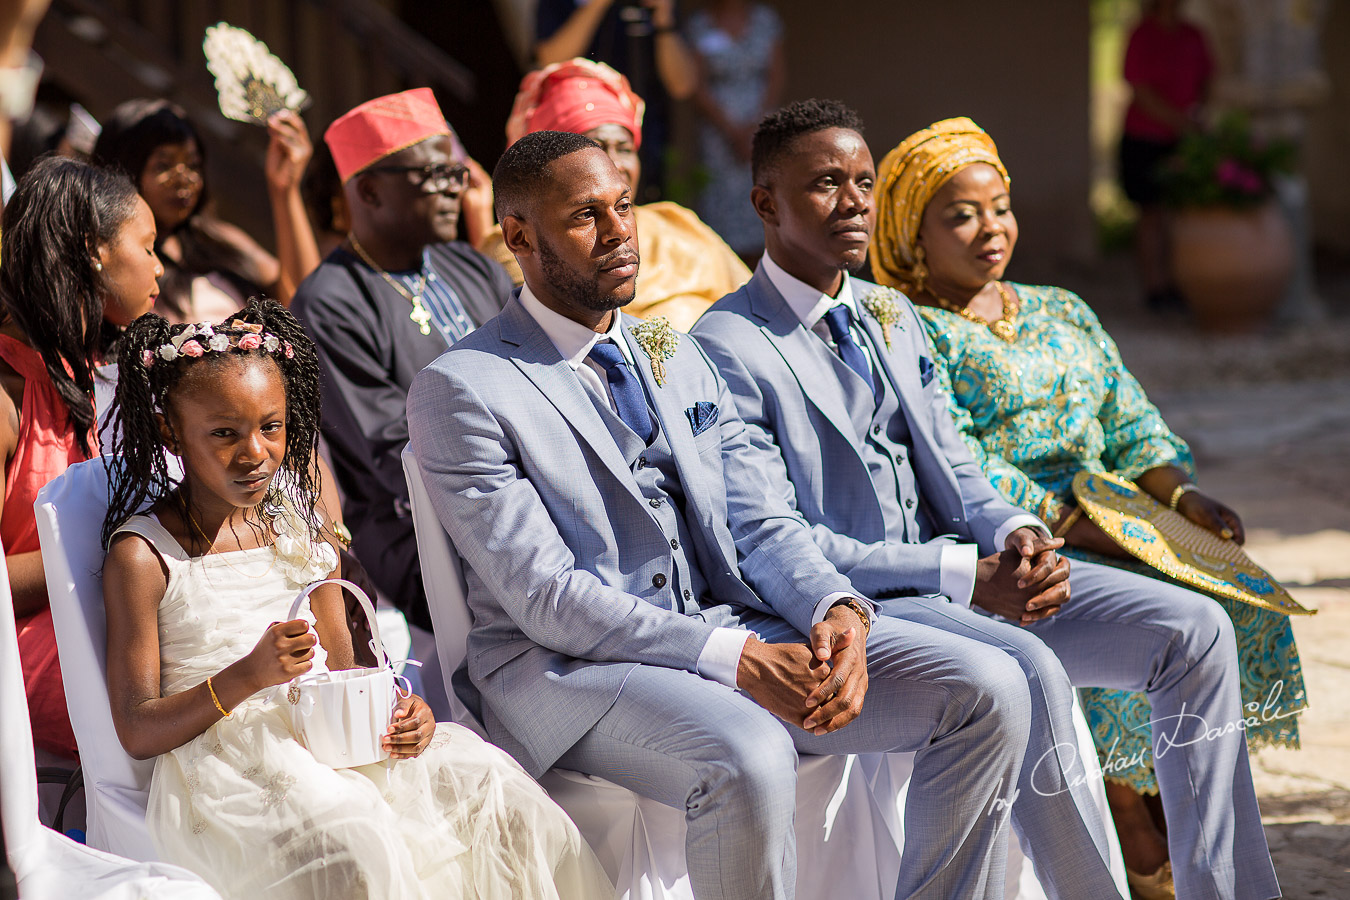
x=362 y=188
x=518 y=236
x=761 y=198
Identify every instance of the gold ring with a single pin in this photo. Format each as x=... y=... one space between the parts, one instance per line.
x=1226 y=534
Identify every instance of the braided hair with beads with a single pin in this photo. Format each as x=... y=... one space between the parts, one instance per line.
x=152 y=362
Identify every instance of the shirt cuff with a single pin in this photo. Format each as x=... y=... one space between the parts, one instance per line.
x=824 y=606
x=1021 y=520
x=721 y=655
x=956 y=573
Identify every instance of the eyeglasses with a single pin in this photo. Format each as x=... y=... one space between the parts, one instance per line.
x=435 y=179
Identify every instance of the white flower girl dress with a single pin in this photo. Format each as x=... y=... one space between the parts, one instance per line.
x=255 y=814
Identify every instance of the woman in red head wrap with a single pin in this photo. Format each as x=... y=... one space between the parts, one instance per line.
x=685 y=266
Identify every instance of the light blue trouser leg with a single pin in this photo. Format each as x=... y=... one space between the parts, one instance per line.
x=699 y=746
x=1055 y=814
x=1122 y=630
x=964 y=707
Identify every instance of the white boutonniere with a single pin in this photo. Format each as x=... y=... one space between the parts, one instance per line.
x=885 y=305
x=658 y=340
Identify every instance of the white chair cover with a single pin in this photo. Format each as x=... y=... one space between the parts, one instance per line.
x=70 y=513
x=48 y=865
x=844 y=846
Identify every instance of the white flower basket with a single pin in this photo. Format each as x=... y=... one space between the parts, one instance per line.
x=341 y=717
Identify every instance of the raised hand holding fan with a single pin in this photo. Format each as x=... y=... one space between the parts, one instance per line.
x=252 y=83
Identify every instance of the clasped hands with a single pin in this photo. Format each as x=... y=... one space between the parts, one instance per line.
x=1025 y=583
x=819 y=686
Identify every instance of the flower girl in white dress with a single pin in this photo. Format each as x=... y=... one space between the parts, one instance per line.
x=195 y=590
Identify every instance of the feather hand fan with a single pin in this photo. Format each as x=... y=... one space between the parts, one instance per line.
x=252 y=83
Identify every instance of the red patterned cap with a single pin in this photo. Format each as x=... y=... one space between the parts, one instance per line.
x=381 y=127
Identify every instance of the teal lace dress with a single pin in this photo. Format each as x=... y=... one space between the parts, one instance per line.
x=1057 y=401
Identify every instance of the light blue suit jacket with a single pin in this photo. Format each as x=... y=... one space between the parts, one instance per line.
x=799 y=418
x=560 y=547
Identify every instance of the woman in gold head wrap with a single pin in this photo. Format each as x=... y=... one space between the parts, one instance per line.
x=1040 y=393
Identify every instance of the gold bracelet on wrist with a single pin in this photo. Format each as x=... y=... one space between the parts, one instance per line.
x=1069 y=521
x=861 y=612
x=1181 y=491
x=214 y=699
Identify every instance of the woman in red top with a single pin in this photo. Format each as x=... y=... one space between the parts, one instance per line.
x=1168 y=68
x=78 y=264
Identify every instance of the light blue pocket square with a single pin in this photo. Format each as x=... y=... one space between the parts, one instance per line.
x=925 y=370
x=702 y=415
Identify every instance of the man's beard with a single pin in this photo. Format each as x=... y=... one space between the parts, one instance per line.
x=576 y=287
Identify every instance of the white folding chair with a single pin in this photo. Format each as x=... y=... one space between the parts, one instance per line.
x=48 y=865
x=844 y=847
x=70 y=513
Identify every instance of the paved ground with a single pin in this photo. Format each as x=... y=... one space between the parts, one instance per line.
x=1269 y=420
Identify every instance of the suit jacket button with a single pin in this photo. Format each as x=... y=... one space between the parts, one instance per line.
x=658 y=580
x=654 y=503
x=642 y=462
x=674 y=543
x=909 y=503
x=688 y=594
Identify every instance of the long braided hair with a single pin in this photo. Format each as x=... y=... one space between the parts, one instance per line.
x=145 y=392
x=61 y=211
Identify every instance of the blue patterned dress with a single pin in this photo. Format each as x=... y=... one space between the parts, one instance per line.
x=1057 y=401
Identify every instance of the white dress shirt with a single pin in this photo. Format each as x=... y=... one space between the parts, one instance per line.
x=956 y=576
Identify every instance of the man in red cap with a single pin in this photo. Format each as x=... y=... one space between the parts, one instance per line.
x=390 y=299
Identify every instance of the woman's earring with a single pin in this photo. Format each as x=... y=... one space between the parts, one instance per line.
x=919 y=270
x=98 y=266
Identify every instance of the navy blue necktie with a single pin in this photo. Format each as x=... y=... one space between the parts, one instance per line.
x=627 y=390
x=837 y=320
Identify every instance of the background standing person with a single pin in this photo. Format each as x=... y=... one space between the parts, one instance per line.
x=639 y=38
x=742 y=70
x=1168 y=68
x=212 y=267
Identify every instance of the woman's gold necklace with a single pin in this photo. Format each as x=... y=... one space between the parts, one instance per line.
x=1004 y=328
x=420 y=316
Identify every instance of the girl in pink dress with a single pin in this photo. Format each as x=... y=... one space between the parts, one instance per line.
x=78 y=264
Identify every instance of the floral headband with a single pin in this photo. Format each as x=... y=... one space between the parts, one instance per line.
x=195 y=340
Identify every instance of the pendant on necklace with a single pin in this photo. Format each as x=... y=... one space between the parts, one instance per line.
x=421 y=318
x=1004 y=329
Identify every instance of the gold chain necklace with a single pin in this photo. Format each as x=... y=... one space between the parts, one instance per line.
x=420 y=316
x=1004 y=328
x=211 y=545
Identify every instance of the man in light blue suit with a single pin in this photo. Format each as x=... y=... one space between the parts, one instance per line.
x=846 y=411
x=622 y=540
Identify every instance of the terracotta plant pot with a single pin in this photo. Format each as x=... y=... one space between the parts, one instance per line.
x=1232 y=265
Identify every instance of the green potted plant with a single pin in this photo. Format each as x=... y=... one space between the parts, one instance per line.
x=1232 y=251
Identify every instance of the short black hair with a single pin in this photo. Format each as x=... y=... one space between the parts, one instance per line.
x=523 y=167
x=780 y=129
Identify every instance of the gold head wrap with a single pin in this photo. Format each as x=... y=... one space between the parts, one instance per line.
x=909 y=177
